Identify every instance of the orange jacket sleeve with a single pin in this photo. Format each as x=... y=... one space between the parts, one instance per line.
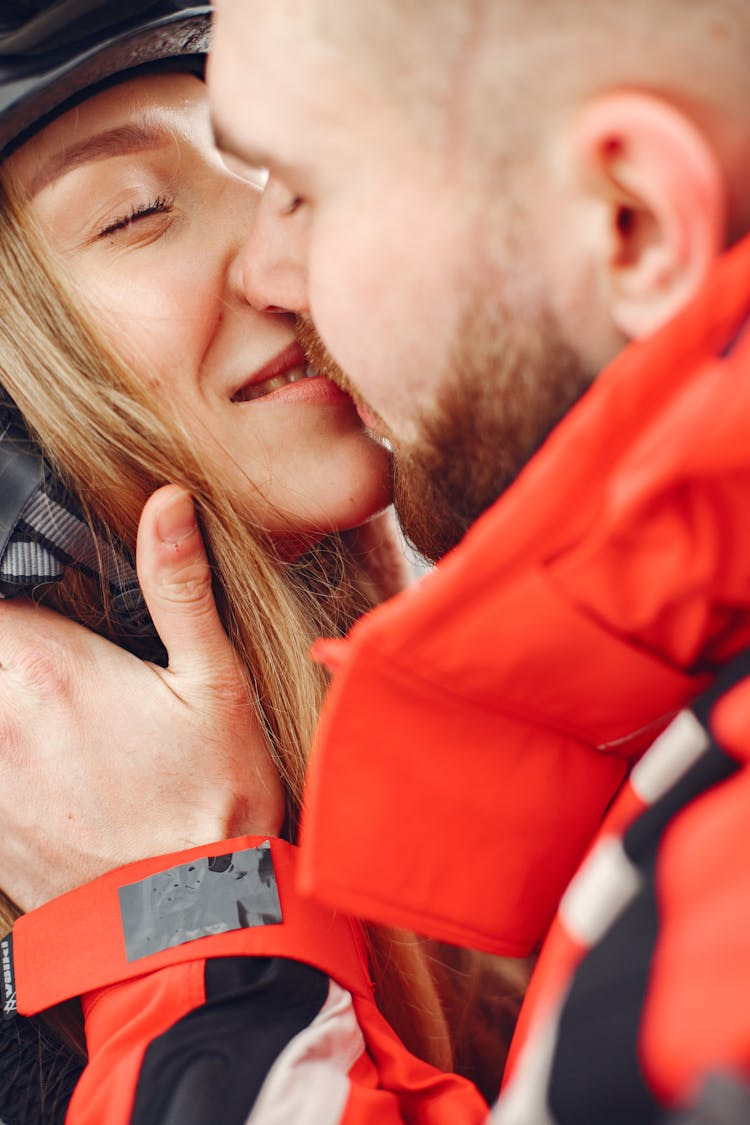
x=273 y=1016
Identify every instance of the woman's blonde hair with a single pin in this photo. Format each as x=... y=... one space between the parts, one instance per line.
x=101 y=430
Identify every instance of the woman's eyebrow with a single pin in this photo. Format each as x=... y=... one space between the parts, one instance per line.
x=119 y=141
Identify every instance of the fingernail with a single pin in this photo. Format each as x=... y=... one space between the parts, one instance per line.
x=175 y=521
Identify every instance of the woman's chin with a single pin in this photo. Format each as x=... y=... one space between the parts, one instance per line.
x=300 y=534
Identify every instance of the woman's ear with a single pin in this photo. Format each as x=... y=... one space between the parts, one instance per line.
x=665 y=198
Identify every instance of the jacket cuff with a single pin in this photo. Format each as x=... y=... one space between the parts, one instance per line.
x=169 y=910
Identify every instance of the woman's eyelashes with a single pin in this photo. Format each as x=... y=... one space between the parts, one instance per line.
x=160 y=205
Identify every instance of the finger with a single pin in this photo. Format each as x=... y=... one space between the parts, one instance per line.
x=175 y=576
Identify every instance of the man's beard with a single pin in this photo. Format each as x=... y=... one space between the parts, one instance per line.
x=323 y=362
x=503 y=391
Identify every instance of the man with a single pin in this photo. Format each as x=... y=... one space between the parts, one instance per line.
x=492 y=212
x=478 y=206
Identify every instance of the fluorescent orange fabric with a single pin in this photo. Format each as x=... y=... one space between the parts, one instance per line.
x=121 y=1021
x=75 y=943
x=479 y=725
x=387 y=1084
x=696 y=1019
x=690 y=956
x=390 y=1087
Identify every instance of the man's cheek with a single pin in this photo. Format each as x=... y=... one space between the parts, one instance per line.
x=346 y=305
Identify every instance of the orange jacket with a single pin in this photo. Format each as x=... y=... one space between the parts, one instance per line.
x=479 y=725
x=477 y=731
x=489 y=716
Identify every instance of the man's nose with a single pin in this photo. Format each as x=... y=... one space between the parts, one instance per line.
x=274 y=258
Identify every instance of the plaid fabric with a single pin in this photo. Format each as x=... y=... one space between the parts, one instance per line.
x=43 y=532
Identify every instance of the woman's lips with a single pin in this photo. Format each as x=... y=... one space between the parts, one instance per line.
x=267 y=386
x=289 y=376
x=298 y=385
x=316 y=390
x=285 y=367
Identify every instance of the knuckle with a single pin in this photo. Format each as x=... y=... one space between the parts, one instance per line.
x=44 y=669
x=226 y=696
x=191 y=583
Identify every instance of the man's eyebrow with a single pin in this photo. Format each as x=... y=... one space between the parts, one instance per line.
x=119 y=141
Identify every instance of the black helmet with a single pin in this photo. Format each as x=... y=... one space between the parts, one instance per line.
x=54 y=53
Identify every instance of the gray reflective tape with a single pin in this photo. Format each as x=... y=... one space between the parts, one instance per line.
x=193 y=900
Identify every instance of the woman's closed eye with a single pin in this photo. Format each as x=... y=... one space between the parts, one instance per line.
x=160 y=205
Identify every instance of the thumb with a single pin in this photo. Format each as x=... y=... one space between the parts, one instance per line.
x=175 y=577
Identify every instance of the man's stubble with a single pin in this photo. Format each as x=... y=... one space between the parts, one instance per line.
x=505 y=387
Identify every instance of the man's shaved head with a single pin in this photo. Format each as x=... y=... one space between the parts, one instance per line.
x=487 y=80
x=499 y=60
x=588 y=43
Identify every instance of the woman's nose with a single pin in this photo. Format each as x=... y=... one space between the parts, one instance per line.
x=273 y=259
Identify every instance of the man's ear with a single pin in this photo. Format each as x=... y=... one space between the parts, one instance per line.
x=665 y=198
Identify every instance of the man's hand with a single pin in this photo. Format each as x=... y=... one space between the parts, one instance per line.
x=105 y=759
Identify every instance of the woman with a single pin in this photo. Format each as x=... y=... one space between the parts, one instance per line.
x=130 y=350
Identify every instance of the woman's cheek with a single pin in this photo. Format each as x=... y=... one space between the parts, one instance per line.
x=151 y=318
